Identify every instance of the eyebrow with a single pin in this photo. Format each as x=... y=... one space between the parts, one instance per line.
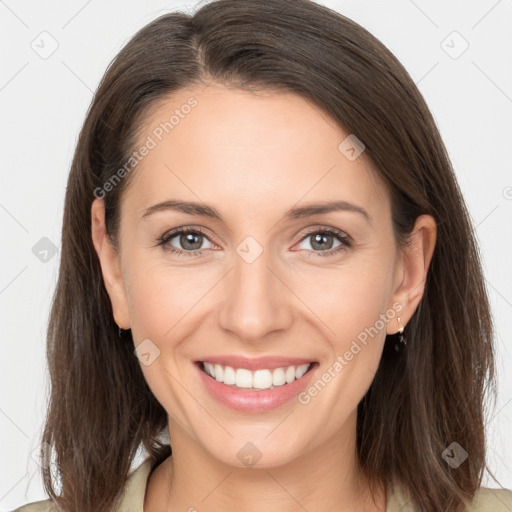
x=299 y=212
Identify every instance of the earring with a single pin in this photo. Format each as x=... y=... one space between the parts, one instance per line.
x=120 y=332
x=401 y=343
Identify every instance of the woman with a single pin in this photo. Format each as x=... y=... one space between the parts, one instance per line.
x=266 y=256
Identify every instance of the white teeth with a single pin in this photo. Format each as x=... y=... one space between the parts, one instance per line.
x=209 y=369
x=243 y=378
x=218 y=373
x=278 y=377
x=262 y=379
x=259 y=379
x=300 y=371
x=229 y=376
x=290 y=374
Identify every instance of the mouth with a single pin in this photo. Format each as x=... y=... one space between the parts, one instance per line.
x=260 y=379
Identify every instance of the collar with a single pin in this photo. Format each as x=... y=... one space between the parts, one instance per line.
x=132 y=499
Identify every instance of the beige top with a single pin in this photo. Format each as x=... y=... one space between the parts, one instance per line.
x=132 y=500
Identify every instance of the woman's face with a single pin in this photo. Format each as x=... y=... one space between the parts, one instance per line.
x=258 y=280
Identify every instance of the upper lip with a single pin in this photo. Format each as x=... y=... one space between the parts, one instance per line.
x=255 y=363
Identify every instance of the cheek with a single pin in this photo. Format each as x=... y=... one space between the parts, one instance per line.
x=161 y=306
x=348 y=300
x=150 y=303
x=353 y=313
x=160 y=298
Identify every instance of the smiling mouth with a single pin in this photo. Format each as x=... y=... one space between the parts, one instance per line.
x=255 y=380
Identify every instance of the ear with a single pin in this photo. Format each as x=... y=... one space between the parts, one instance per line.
x=412 y=270
x=110 y=265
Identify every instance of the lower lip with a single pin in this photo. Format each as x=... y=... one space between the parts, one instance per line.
x=255 y=401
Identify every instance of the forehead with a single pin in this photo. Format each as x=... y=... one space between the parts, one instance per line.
x=247 y=152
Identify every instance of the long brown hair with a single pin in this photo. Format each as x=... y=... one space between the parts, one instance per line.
x=101 y=410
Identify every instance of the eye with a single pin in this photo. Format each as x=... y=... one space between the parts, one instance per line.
x=323 y=240
x=190 y=240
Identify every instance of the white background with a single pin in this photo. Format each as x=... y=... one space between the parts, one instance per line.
x=43 y=104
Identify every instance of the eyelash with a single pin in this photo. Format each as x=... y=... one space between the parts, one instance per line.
x=345 y=240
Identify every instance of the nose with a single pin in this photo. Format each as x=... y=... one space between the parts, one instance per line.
x=257 y=299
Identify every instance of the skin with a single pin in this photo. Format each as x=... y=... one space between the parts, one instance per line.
x=253 y=157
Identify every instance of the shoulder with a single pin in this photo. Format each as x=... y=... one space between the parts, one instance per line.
x=38 y=506
x=491 y=500
x=132 y=499
x=485 y=500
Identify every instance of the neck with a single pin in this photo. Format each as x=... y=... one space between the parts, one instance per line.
x=325 y=478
